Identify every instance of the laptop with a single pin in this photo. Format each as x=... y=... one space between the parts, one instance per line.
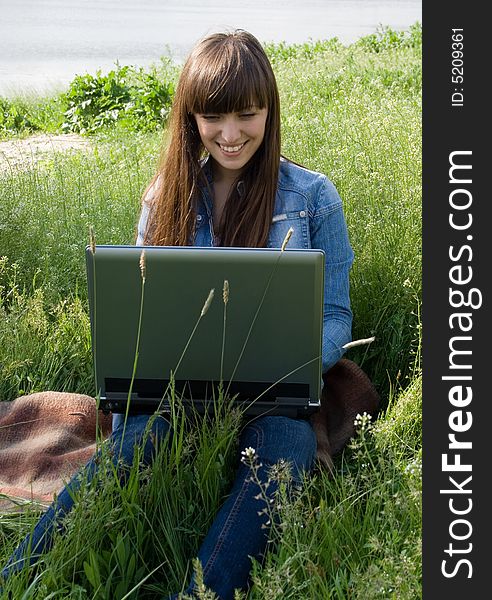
x=263 y=344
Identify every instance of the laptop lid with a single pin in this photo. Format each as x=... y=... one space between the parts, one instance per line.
x=265 y=343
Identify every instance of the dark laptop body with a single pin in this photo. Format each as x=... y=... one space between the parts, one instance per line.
x=269 y=355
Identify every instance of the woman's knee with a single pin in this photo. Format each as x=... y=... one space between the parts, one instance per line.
x=276 y=438
x=144 y=431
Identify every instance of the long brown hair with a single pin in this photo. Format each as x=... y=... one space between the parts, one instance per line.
x=225 y=72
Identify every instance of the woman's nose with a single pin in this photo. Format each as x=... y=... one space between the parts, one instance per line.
x=231 y=130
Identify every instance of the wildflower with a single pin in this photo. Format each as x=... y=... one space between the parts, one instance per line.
x=249 y=452
x=281 y=471
x=363 y=421
x=414 y=468
x=248 y=457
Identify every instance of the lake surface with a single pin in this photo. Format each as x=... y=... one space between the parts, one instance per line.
x=44 y=43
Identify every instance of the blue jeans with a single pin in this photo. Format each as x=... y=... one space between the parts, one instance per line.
x=236 y=533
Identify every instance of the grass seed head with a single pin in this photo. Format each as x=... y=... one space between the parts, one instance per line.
x=92 y=239
x=208 y=302
x=287 y=237
x=225 y=291
x=143 y=265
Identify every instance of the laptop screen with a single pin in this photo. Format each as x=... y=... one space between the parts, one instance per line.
x=265 y=340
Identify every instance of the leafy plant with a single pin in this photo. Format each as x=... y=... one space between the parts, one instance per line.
x=131 y=97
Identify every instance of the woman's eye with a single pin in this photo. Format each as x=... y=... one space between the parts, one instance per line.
x=247 y=115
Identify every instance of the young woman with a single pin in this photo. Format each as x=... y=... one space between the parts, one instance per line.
x=223 y=182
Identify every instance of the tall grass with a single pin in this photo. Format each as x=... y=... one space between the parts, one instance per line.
x=358 y=535
x=43 y=345
x=353 y=113
x=70 y=192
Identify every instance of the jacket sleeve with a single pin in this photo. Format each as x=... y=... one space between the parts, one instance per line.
x=142 y=224
x=144 y=213
x=329 y=233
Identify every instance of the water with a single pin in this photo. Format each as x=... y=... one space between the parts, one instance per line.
x=44 y=43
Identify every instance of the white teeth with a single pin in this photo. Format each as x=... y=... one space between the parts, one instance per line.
x=231 y=148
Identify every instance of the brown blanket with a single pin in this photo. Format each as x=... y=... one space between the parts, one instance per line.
x=45 y=437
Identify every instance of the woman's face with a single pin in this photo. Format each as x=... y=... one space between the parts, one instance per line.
x=232 y=138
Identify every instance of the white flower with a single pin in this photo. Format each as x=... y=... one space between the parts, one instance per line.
x=362 y=419
x=363 y=422
x=414 y=468
x=249 y=452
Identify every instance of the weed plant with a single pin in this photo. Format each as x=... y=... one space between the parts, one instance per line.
x=353 y=113
x=132 y=98
x=128 y=97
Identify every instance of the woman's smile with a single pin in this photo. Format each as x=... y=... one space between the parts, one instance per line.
x=231 y=149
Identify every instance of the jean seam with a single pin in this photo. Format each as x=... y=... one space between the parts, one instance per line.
x=234 y=511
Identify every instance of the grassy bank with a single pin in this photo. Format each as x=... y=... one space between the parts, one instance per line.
x=352 y=113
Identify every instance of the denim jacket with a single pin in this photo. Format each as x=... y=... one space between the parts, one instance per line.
x=309 y=203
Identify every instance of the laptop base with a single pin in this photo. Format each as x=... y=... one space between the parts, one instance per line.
x=288 y=407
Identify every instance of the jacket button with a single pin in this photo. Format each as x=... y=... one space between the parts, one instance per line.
x=302 y=213
x=199 y=217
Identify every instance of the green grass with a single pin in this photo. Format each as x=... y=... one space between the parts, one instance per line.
x=353 y=113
